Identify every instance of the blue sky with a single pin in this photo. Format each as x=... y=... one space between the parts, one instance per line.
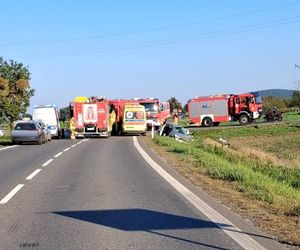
x=127 y=48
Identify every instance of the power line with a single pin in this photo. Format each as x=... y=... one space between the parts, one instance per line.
x=156 y=29
x=176 y=40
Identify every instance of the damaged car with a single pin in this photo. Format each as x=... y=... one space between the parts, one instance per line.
x=178 y=132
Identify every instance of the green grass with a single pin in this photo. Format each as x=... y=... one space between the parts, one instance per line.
x=264 y=182
x=227 y=133
x=291 y=117
x=5 y=140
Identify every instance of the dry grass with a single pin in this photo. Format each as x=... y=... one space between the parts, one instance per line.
x=238 y=149
x=281 y=150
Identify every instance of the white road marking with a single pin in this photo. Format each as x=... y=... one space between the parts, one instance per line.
x=65 y=150
x=8 y=147
x=29 y=177
x=59 y=154
x=234 y=232
x=47 y=163
x=11 y=194
x=73 y=146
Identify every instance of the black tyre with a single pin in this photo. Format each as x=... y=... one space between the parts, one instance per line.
x=207 y=122
x=244 y=119
x=40 y=141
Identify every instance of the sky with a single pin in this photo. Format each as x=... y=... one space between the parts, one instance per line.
x=157 y=48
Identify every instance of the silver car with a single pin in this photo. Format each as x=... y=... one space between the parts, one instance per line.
x=28 y=131
x=175 y=131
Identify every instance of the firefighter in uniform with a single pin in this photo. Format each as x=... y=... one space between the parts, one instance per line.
x=72 y=128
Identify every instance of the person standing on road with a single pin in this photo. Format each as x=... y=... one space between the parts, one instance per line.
x=72 y=128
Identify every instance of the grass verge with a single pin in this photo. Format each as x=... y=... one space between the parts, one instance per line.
x=265 y=193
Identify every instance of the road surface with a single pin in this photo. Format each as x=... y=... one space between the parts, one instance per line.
x=103 y=194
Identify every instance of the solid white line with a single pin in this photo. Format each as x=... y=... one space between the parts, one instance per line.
x=59 y=154
x=73 y=146
x=234 y=232
x=8 y=147
x=65 y=150
x=11 y=194
x=47 y=163
x=29 y=177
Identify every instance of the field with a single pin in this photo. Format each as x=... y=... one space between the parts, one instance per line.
x=258 y=175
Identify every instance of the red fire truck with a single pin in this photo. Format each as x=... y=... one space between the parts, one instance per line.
x=211 y=110
x=156 y=112
x=91 y=116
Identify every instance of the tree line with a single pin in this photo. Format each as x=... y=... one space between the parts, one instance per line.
x=283 y=104
x=15 y=90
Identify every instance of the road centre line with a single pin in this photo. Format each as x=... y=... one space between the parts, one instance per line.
x=47 y=163
x=11 y=194
x=29 y=177
x=65 y=150
x=8 y=147
x=59 y=154
x=73 y=146
x=234 y=232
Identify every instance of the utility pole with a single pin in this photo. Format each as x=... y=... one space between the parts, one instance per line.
x=297 y=81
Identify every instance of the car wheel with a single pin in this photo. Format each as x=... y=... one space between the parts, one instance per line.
x=40 y=141
x=207 y=122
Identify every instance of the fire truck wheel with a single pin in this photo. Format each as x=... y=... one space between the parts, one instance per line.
x=244 y=119
x=207 y=122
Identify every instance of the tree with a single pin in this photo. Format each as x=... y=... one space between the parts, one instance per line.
x=65 y=113
x=175 y=104
x=295 y=101
x=272 y=101
x=15 y=92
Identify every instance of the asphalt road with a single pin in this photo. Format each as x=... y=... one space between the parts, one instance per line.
x=102 y=194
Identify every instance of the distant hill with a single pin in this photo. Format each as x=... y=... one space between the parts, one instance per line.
x=281 y=93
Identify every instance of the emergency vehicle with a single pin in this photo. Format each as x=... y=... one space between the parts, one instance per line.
x=130 y=117
x=91 y=116
x=211 y=110
x=156 y=112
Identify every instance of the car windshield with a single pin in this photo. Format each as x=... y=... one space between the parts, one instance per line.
x=150 y=107
x=180 y=130
x=25 y=126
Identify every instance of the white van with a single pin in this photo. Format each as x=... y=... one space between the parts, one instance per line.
x=50 y=114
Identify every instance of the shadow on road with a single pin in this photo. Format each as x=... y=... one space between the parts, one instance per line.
x=138 y=219
x=143 y=220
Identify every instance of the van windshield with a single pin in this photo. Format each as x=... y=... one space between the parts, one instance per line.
x=151 y=107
